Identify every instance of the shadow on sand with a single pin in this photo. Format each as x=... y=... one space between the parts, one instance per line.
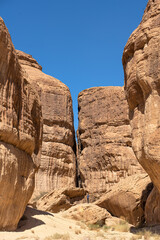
x=29 y=220
x=154 y=229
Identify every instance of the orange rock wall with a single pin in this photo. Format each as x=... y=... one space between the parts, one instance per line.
x=104 y=139
x=58 y=159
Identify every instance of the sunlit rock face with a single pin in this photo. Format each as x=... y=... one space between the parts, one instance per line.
x=20 y=134
x=128 y=198
x=104 y=139
x=141 y=62
x=58 y=161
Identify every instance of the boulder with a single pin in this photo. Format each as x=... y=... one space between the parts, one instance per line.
x=105 y=152
x=88 y=213
x=141 y=60
x=152 y=208
x=127 y=198
x=58 y=161
x=20 y=134
x=61 y=199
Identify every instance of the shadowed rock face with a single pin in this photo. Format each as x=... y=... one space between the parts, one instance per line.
x=141 y=62
x=152 y=208
x=20 y=134
x=58 y=162
x=104 y=139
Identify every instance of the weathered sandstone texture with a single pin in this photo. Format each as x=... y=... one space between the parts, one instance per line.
x=88 y=213
x=128 y=198
x=58 y=162
x=141 y=62
x=104 y=139
x=152 y=208
x=20 y=134
x=60 y=199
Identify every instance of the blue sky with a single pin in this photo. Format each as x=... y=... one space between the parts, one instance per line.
x=80 y=42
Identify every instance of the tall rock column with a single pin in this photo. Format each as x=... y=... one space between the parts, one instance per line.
x=58 y=162
x=20 y=134
x=104 y=139
x=141 y=62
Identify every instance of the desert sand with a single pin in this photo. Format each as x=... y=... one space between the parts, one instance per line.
x=39 y=225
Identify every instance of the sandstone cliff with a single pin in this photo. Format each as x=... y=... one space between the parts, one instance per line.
x=58 y=162
x=20 y=134
x=104 y=139
x=142 y=84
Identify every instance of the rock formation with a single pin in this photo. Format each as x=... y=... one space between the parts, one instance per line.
x=88 y=213
x=128 y=198
x=104 y=139
x=152 y=208
x=58 y=163
x=141 y=60
x=60 y=199
x=20 y=134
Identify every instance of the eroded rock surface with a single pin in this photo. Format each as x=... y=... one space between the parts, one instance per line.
x=104 y=139
x=141 y=60
x=142 y=83
x=58 y=163
x=20 y=134
x=88 y=213
x=152 y=208
x=61 y=199
x=128 y=198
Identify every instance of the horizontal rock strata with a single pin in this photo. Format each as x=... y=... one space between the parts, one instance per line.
x=58 y=162
x=104 y=139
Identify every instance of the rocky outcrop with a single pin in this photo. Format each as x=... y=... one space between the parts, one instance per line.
x=20 y=134
x=141 y=60
x=152 y=208
x=58 y=163
x=61 y=199
x=142 y=85
x=128 y=198
x=104 y=139
x=88 y=213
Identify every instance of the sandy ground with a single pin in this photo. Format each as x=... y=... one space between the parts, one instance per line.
x=39 y=225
